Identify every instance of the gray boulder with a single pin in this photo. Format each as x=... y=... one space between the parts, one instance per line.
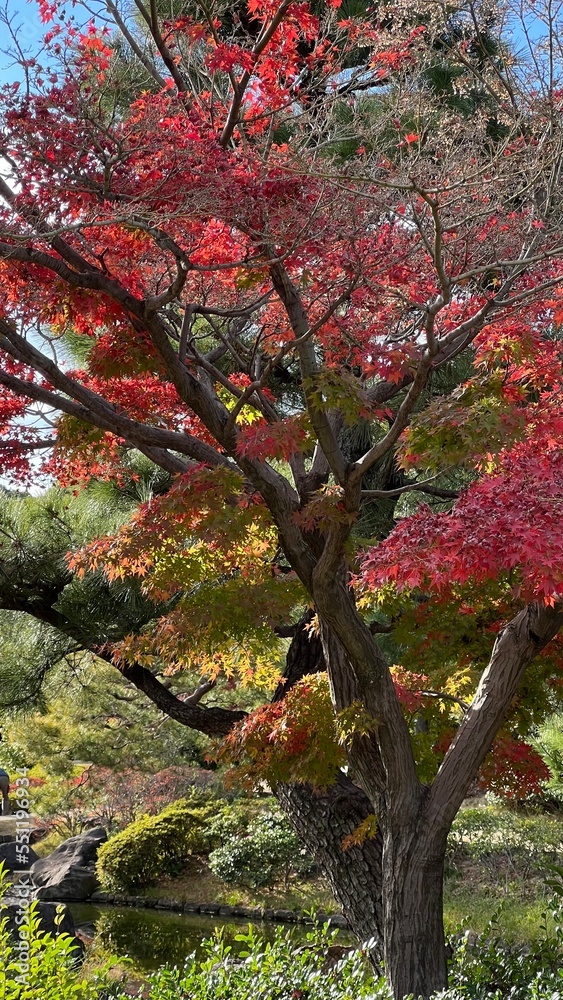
x=13 y=860
x=63 y=924
x=69 y=873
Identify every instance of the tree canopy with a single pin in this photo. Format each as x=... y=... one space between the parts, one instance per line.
x=307 y=260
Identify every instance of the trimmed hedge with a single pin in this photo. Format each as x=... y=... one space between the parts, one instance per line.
x=153 y=846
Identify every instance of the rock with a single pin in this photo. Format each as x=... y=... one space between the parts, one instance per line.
x=15 y=861
x=191 y=907
x=338 y=920
x=212 y=908
x=101 y=897
x=226 y=911
x=69 y=872
x=48 y=917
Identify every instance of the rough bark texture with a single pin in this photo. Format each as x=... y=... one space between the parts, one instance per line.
x=322 y=820
x=414 y=949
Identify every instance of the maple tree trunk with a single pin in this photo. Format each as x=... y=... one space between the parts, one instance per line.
x=414 y=944
x=389 y=888
x=322 y=821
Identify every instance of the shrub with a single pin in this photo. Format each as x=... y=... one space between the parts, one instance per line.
x=266 y=853
x=104 y=797
x=549 y=744
x=275 y=970
x=486 y=970
x=495 y=836
x=153 y=846
x=48 y=970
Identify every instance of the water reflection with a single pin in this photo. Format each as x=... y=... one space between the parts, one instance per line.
x=160 y=937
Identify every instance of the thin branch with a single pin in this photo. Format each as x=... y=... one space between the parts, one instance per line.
x=262 y=41
x=204 y=688
x=421 y=486
x=141 y=56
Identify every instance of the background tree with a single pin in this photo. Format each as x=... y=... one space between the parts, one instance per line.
x=250 y=293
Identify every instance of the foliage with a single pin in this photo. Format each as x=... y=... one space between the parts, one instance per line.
x=281 y=741
x=92 y=716
x=492 y=834
x=266 y=852
x=549 y=744
x=487 y=968
x=49 y=969
x=265 y=970
x=153 y=846
x=482 y=968
x=110 y=798
x=258 y=273
x=36 y=535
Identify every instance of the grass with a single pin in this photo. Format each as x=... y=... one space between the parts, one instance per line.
x=520 y=921
x=198 y=884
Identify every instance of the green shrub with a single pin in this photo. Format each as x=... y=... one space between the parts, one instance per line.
x=47 y=969
x=267 y=852
x=549 y=745
x=484 y=970
x=153 y=846
x=534 y=839
x=275 y=970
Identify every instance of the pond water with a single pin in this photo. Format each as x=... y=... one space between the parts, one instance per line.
x=160 y=937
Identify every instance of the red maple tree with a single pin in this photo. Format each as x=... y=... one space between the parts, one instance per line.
x=313 y=281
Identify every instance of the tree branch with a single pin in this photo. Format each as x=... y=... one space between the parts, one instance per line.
x=297 y=316
x=515 y=648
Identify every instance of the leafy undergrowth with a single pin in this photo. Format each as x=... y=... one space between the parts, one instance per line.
x=319 y=969
x=483 y=969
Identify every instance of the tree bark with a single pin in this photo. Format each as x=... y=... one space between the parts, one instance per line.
x=322 y=821
x=414 y=952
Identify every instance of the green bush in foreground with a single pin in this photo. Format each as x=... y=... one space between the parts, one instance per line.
x=153 y=846
x=43 y=966
x=279 y=970
x=485 y=970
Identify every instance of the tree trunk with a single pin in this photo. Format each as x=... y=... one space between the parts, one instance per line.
x=414 y=944
x=322 y=821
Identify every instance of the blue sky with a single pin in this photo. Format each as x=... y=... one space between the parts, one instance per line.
x=25 y=17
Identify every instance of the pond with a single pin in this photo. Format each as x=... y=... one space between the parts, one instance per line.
x=160 y=937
